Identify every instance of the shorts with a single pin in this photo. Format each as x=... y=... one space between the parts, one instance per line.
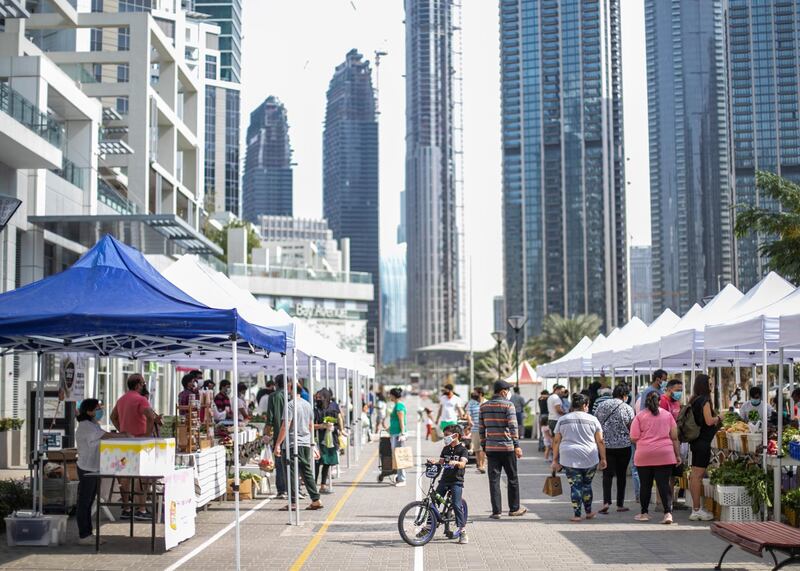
x=701 y=453
x=552 y=425
x=476 y=440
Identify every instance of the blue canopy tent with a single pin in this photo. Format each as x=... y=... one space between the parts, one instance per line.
x=112 y=302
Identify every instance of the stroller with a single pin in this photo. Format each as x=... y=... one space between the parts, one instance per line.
x=385 y=456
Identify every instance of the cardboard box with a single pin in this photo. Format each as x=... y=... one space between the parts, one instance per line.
x=245 y=489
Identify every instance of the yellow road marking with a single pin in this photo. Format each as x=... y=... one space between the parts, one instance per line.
x=312 y=545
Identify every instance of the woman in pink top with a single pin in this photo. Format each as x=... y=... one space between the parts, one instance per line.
x=657 y=451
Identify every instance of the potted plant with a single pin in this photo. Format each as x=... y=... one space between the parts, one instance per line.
x=10 y=442
x=791 y=507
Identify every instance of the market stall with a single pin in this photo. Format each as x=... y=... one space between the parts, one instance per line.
x=113 y=303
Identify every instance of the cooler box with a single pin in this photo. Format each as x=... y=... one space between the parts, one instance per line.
x=137 y=456
x=28 y=530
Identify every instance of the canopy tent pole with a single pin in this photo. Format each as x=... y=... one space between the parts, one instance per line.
x=107 y=394
x=737 y=371
x=357 y=412
x=691 y=372
x=286 y=457
x=776 y=505
x=348 y=415
x=327 y=375
x=234 y=382
x=685 y=388
x=792 y=402
x=338 y=403
x=39 y=407
x=295 y=460
x=719 y=388
x=311 y=394
x=764 y=417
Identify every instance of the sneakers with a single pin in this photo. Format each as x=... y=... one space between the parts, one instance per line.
x=700 y=515
x=143 y=516
x=520 y=512
x=400 y=483
x=495 y=516
x=462 y=538
x=89 y=540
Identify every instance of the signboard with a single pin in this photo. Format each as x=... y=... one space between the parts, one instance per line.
x=72 y=376
x=319 y=311
x=179 y=507
x=53 y=439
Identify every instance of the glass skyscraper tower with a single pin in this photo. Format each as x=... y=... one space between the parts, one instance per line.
x=350 y=173
x=764 y=71
x=267 y=184
x=692 y=254
x=564 y=235
x=433 y=208
x=227 y=14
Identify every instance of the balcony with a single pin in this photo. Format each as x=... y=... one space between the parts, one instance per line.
x=309 y=274
x=73 y=174
x=30 y=116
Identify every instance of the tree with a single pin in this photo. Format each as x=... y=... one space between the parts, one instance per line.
x=220 y=237
x=560 y=334
x=486 y=364
x=781 y=228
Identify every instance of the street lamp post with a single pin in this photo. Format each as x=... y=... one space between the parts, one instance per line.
x=517 y=322
x=498 y=336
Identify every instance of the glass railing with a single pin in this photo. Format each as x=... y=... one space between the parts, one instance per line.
x=14 y=104
x=300 y=274
x=74 y=174
x=112 y=198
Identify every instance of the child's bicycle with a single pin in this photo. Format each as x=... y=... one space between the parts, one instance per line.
x=418 y=520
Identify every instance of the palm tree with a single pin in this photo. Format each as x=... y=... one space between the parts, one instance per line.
x=486 y=365
x=782 y=249
x=560 y=334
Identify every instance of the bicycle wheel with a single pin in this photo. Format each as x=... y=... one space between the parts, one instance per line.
x=417 y=523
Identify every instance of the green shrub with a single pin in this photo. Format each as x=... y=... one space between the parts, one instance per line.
x=14 y=495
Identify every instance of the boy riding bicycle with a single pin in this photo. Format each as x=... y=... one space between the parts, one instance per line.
x=454 y=459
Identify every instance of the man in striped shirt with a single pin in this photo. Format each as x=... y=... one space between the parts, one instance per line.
x=500 y=440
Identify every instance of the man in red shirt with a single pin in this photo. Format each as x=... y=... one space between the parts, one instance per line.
x=671 y=399
x=133 y=415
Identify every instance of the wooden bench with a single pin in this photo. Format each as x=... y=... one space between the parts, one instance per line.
x=756 y=537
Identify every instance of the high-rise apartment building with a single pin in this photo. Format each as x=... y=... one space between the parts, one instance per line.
x=642 y=283
x=267 y=182
x=394 y=338
x=433 y=202
x=499 y=313
x=222 y=72
x=564 y=234
x=764 y=74
x=689 y=167
x=350 y=172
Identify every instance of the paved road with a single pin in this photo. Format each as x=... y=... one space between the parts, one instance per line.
x=358 y=530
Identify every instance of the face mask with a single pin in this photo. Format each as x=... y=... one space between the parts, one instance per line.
x=755 y=402
x=448 y=440
x=226 y=392
x=677 y=395
x=663 y=385
x=319 y=404
x=98 y=414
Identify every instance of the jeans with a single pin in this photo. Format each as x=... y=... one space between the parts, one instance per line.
x=401 y=474
x=661 y=474
x=456 y=490
x=618 y=460
x=87 y=492
x=497 y=462
x=637 y=486
x=304 y=469
x=580 y=484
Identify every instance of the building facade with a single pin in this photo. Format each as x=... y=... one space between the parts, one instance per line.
x=689 y=161
x=394 y=339
x=499 y=313
x=267 y=183
x=221 y=69
x=642 y=283
x=564 y=238
x=350 y=191
x=433 y=201
x=764 y=94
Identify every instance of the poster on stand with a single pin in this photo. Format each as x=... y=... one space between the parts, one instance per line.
x=72 y=376
x=179 y=507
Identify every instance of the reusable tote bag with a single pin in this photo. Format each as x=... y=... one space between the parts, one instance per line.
x=402 y=458
x=552 y=485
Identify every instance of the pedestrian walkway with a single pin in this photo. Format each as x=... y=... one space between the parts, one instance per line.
x=358 y=530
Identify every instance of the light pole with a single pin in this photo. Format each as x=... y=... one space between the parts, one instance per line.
x=498 y=336
x=517 y=322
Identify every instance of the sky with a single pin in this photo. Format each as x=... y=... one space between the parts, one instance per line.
x=290 y=50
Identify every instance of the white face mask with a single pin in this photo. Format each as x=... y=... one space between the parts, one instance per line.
x=448 y=440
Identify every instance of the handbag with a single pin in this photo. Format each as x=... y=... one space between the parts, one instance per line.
x=402 y=458
x=552 y=485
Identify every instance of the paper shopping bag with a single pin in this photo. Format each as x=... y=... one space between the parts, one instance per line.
x=402 y=458
x=436 y=434
x=552 y=486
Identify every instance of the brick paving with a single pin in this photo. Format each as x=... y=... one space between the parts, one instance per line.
x=364 y=534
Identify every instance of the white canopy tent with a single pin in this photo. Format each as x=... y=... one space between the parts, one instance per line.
x=647 y=354
x=627 y=336
x=558 y=366
x=622 y=358
x=581 y=365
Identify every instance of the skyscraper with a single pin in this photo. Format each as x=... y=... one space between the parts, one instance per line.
x=394 y=337
x=433 y=208
x=267 y=184
x=690 y=190
x=222 y=71
x=350 y=173
x=642 y=283
x=564 y=236
x=764 y=69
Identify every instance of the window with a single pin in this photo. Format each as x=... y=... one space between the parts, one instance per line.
x=123 y=73
x=97 y=5
x=211 y=67
x=96 y=40
x=122 y=105
x=134 y=6
x=124 y=39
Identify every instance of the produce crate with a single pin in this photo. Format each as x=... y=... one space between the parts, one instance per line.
x=751 y=441
x=737 y=513
x=722 y=440
x=717 y=511
x=735 y=441
x=683 y=483
x=245 y=489
x=732 y=496
x=794 y=450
